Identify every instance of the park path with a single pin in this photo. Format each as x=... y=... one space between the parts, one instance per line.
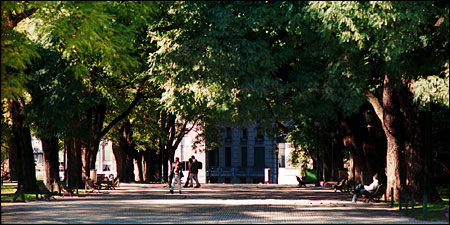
x=212 y=204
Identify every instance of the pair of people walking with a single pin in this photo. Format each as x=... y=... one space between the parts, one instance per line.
x=177 y=174
x=194 y=166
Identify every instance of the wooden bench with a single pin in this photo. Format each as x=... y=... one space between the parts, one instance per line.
x=300 y=181
x=379 y=191
x=41 y=192
x=114 y=183
x=64 y=190
x=91 y=186
x=341 y=186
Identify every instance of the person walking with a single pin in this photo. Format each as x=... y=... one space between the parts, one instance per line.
x=176 y=174
x=189 y=174
x=193 y=172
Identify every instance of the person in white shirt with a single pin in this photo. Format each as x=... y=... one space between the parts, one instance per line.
x=366 y=189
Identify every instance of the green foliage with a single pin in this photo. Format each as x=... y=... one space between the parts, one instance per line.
x=57 y=96
x=17 y=53
x=432 y=89
x=227 y=62
x=6 y=132
x=88 y=34
x=92 y=34
x=299 y=158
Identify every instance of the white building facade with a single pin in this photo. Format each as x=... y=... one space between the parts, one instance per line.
x=105 y=164
x=246 y=156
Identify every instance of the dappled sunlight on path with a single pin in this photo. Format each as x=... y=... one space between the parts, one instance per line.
x=212 y=203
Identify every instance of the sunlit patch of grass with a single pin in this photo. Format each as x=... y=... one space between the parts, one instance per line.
x=8 y=194
x=434 y=210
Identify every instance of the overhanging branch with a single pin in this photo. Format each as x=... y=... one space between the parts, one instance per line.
x=138 y=97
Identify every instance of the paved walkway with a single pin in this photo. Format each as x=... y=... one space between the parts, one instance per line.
x=211 y=204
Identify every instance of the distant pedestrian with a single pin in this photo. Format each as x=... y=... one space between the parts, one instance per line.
x=189 y=174
x=195 y=165
x=176 y=174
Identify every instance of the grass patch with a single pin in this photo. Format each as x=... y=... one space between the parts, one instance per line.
x=7 y=193
x=434 y=209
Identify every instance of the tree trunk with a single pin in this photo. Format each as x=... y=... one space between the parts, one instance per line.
x=94 y=119
x=125 y=153
x=51 y=163
x=139 y=159
x=392 y=121
x=352 y=141
x=339 y=158
x=74 y=164
x=13 y=159
x=152 y=166
x=164 y=176
x=25 y=166
x=165 y=163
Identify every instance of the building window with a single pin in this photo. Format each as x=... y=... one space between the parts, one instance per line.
x=213 y=158
x=259 y=157
x=259 y=135
x=244 y=134
x=229 y=134
x=282 y=155
x=227 y=156
x=103 y=153
x=244 y=157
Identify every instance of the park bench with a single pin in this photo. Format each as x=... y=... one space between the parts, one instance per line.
x=300 y=181
x=64 y=190
x=91 y=186
x=114 y=184
x=108 y=183
x=379 y=191
x=41 y=190
x=341 y=186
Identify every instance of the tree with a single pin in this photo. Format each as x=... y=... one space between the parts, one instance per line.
x=56 y=98
x=308 y=58
x=96 y=38
x=388 y=41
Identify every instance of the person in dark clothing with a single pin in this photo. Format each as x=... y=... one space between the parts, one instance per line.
x=194 y=172
x=189 y=174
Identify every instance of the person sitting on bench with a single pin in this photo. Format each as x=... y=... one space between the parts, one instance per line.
x=366 y=189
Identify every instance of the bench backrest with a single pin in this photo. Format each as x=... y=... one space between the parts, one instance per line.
x=42 y=188
x=342 y=182
x=378 y=190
